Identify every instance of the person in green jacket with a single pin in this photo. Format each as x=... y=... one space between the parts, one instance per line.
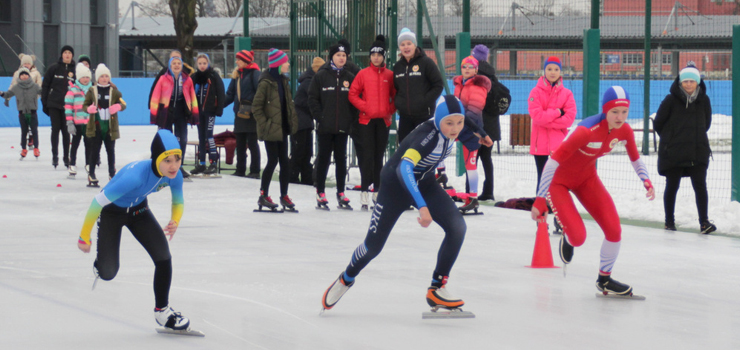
x=103 y=102
x=276 y=118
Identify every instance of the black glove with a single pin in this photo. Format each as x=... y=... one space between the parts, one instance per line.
x=45 y=109
x=562 y=112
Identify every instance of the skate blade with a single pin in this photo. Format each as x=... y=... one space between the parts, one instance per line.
x=268 y=211
x=323 y=208
x=205 y=176
x=71 y=177
x=443 y=313
x=344 y=208
x=617 y=296
x=189 y=331
x=469 y=213
x=187 y=179
x=95 y=186
x=286 y=210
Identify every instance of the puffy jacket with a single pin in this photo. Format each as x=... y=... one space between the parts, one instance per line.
x=372 y=93
x=162 y=96
x=328 y=99
x=35 y=76
x=301 y=100
x=683 y=127
x=491 y=122
x=248 y=78
x=266 y=108
x=418 y=85
x=73 y=102
x=55 y=84
x=91 y=98
x=549 y=125
x=209 y=90
x=472 y=94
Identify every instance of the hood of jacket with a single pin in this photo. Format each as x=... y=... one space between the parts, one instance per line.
x=677 y=92
x=308 y=74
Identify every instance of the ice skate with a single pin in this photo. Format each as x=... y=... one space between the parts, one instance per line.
x=670 y=226
x=36 y=153
x=321 y=201
x=92 y=181
x=335 y=292
x=24 y=153
x=266 y=201
x=442 y=179
x=611 y=288
x=174 y=323
x=287 y=204
x=30 y=140
x=185 y=175
x=471 y=206
x=707 y=227
x=375 y=198
x=558 y=229
x=566 y=250
x=365 y=201
x=444 y=305
x=199 y=169
x=72 y=172
x=343 y=201
x=55 y=161
x=97 y=275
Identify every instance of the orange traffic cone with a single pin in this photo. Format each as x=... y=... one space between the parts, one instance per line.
x=542 y=256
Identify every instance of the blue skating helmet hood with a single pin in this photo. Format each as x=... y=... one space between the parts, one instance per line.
x=447 y=105
x=164 y=145
x=169 y=65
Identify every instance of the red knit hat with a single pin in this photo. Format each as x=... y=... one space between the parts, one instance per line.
x=552 y=60
x=246 y=56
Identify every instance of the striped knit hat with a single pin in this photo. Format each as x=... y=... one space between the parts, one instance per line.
x=246 y=56
x=276 y=58
x=690 y=73
x=615 y=96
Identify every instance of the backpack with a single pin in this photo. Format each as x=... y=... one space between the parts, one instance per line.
x=501 y=96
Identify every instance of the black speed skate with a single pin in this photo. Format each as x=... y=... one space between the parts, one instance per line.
x=172 y=322
x=343 y=201
x=199 y=169
x=566 y=250
x=266 y=201
x=287 y=204
x=611 y=288
x=470 y=207
x=442 y=180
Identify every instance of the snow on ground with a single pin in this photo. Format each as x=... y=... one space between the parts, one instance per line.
x=254 y=281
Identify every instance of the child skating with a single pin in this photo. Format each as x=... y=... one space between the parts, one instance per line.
x=26 y=94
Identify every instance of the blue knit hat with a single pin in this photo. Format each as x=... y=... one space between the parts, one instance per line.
x=690 y=73
x=615 y=96
x=406 y=34
x=447 y=105
x=552 y=60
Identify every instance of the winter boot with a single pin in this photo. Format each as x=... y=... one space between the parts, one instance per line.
x=343 y=201
x=199 y=169
x=168 y=318
x=365 y=200
x=470 y=204
x=707 y=227
x=336 y=291
x=287 y=203
x=266 y=201
x=606 y=284
x=566 y=250
x=211 y=169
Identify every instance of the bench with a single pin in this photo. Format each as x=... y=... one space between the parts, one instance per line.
x=218 y=151
x=655 y=140
x=519 y=131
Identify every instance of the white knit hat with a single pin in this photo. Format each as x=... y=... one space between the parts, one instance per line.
x=82 y=71
x=102 y=70
x=26 y=59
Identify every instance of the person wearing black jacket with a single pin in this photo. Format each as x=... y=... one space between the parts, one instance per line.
x=53 y=89
x=243 y=86
x=682 y=122
x=418 y=84
x=301 y=144
x=328 y=99
x=209 y=90
x=490 y=121
x=354 y=133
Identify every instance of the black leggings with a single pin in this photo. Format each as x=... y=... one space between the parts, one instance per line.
x=301 y=151
x=177 y=118
x=244 y=139
x=407 y=124
x=374 y=138
x=484 y=154
x=328 y=143
x=540 y=161
x=277 y=152
x=394 y=200
x=205 y=139
x=33 y=124
x=59 y=125
x=145 y=228
x=698 y=175
x=79 y=136
x=96 y=144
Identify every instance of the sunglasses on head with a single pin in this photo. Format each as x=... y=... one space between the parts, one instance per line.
x=468 y=66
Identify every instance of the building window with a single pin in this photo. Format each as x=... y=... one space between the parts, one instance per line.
x=667 y=58
x=47 y=11
x=5 y=11
x=94 y=12
x=632 y=58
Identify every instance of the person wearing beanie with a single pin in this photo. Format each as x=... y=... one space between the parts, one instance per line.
x=328 y=99
x=243 y=86
x=418 y=83
x=103 y=101
x=301 y=144
x=53 y=90
x=123 y=202
x=682 y=121
x=210 y=93
x=471 y=89
x=405 y=184
x=349 y=65
x=274 y=112
x=497 y=103
x=552 y=108
x=85 y=59
x=572 y=169
x=26 y=95
x=174 y=104
x=77 y=116
x=27 y=62
x=372 y=93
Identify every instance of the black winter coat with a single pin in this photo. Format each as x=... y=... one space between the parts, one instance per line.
x=352 y=67
x=56 y=83
x=418 y=85
x=209 y=90
x=683 y=129
x=491 y=111
x=301 y=100
x=249 y=79
x=328 y=99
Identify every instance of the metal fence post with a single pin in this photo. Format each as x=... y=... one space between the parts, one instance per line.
x=735 y=172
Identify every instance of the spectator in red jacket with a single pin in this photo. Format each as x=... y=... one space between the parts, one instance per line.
x=372 y=93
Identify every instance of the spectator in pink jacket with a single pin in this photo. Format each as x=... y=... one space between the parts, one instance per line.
x=553 y=110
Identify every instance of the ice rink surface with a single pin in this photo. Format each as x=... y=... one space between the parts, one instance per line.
x=255 y=280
